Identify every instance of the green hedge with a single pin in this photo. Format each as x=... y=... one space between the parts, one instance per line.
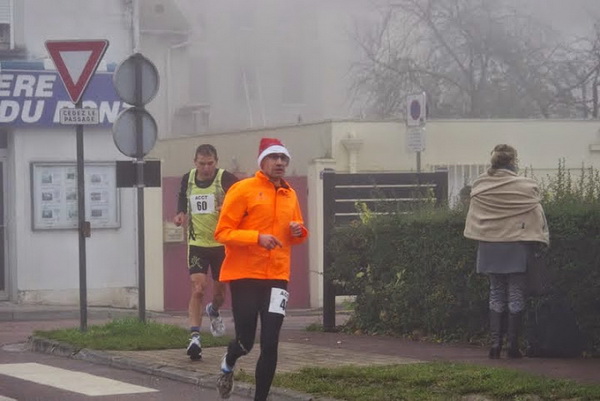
x=415 y=274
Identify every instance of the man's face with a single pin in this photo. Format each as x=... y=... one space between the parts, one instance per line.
x=274 y=165
x=205 y=166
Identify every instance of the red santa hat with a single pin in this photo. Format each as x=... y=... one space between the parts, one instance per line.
x=269 y=146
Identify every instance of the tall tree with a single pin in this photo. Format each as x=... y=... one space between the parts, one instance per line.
x=473 y=58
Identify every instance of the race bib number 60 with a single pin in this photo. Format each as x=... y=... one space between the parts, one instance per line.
x=202 y=204
x=279 y=300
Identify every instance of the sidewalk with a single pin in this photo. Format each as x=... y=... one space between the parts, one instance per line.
x=299 y=348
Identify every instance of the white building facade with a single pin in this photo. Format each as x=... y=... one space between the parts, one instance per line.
x=39 y=255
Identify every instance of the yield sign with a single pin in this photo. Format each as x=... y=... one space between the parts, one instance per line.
x=76 y=61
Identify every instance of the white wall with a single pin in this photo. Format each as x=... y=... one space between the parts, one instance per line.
x=154 y=249
x=44 y=265
x=69 y=20
x=47 y=261
x=540 y=143
x=238 y=150
x=383 y=148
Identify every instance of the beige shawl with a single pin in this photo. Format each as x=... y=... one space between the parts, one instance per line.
x=505 y=208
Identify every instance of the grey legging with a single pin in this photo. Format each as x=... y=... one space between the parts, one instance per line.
x=507 y=289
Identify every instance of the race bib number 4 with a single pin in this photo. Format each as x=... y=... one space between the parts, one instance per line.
x=279 y=300
x=202 y=204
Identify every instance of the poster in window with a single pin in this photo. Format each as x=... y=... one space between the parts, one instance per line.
x=54 y=195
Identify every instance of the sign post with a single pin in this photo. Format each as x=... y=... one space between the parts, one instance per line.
x=134 y=133
x=416 y=113
x=76 y=61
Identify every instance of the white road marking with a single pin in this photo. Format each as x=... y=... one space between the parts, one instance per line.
x=3 y=398
x=78 y=382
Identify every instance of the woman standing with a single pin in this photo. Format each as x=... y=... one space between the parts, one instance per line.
x=506 y=217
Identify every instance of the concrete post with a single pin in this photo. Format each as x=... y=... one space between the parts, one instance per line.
x=315 y=224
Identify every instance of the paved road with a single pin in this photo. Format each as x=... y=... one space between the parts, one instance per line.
x=29 y=376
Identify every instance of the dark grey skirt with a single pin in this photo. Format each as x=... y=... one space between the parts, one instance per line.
x=502 y=257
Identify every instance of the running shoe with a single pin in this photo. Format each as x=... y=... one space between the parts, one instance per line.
x=194 y=349
x=217 y=327
x=225 y=380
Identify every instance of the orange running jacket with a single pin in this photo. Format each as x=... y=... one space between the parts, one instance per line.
x=254 y=206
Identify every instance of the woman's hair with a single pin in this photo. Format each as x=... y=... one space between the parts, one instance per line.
x=503 y=157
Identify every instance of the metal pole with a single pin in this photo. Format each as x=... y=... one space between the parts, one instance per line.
x=328 y=221
x=418 y=162
x=141 y=247
x=83 y=228
x=140 y=194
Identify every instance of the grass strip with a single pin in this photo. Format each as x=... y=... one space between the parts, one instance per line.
x=130 y=334
x=434 y=381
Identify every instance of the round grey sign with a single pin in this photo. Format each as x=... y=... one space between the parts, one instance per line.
x=129 y=124
x=136 y=80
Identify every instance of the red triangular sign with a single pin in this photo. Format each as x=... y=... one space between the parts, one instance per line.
x=76 y=61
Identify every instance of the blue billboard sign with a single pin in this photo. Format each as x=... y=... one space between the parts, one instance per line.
x=34 y=98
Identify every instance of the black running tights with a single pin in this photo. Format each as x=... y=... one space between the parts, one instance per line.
x=250 y=299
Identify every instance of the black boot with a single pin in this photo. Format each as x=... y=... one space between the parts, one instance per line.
x=496 y=334
x=514 y=330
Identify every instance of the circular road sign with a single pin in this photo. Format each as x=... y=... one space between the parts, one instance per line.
x=415 y=109
x=126 y=127
x=136 y=80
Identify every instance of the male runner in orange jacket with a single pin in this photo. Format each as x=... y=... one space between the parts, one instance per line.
x=259 y=222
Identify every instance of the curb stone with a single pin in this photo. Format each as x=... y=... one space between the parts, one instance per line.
x=45 y=346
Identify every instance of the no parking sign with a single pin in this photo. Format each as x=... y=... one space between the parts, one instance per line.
x=416 y=110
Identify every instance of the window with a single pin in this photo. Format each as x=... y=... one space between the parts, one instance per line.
x=5 y=22
x=4 y=36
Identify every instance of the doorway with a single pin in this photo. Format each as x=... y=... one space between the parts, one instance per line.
x=4 y=278
x=3 y=269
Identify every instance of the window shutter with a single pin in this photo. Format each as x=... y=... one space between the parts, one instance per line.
x=5 y=12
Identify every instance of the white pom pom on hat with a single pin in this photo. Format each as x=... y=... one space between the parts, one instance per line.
x=269 y=146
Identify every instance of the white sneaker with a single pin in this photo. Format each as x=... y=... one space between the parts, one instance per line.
x=224 y=367
x=194 y=349
x=225 y=380
x=217 y=327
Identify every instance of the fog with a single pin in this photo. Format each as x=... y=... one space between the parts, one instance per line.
x=239 y=64
x=571 y=17
x=268 y=62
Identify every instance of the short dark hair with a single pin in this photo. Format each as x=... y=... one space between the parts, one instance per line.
x=206 y=150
